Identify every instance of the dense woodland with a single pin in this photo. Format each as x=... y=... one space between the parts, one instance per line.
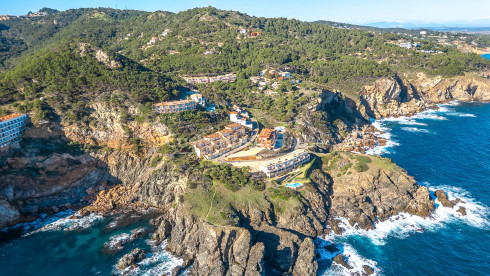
x=40 y=57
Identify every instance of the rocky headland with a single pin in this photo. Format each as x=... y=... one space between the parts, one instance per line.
x=271 y=229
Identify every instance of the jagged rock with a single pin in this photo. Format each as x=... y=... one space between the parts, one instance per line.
x=255 y=264
x=8 y=213
x=368 y=270
x=462 y=210
x=306 y=263
x=340 y=259
x=378 y=193
x=130 y=259
x=441 y=195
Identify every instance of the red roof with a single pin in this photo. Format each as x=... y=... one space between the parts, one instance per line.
x=9 y=117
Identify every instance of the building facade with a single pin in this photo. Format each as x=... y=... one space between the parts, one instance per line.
x=284 y=163
x=196 y=80
x=11 y=127
x=199 y=99
x=221 y=142
x=267 y=138
x=174 y=106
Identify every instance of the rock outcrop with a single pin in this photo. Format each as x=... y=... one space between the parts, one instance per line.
x=375 y=192
x=396 y=97
x=130 y=259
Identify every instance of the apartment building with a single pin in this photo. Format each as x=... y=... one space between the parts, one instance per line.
x=219 y=143
x=11 y=127
x=199 y=99
x=267 y=138
x=284 y=163
x=174 y=106
x=196 y=80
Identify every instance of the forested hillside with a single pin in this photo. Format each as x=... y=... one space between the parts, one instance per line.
x=43 y=57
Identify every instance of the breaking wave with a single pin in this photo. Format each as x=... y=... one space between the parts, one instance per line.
x=404 y=224
x=414 y=129
x=60 y=221
x=158 y=262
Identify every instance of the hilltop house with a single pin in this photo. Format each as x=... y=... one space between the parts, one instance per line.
x=215 y=145
x=174 y=106
x=284 y=163
x=11 y=127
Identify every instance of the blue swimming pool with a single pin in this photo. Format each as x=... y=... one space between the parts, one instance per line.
x=294 y=185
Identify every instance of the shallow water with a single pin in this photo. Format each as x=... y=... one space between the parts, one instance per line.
x=87 y=246
x=448 y=149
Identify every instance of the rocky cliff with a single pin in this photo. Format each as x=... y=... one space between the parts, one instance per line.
x=268 y=235
x=408 y=95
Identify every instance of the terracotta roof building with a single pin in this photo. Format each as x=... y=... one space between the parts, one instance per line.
x=267 y=138
x=214 y=145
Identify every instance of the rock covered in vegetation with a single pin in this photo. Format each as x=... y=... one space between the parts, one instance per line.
x=373 y=188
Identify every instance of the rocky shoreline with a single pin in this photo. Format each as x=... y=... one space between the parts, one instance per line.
x=262 y=238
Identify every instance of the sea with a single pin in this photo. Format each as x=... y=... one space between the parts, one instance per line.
x=447 y=148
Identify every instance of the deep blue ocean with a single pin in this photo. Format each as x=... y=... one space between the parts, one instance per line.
x=446 y=149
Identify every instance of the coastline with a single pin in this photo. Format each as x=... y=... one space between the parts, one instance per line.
x=404 y=225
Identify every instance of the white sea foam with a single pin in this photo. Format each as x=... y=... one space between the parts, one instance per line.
x=59 y=221
x=159 y=262
x=414 y=129
x=384 y=132
x=353 y=258
x=404 y=225
x=117 y=242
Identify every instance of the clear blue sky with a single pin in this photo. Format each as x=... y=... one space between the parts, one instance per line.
x=351 y=11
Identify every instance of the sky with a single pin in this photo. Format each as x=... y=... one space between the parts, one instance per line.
x=348 y=11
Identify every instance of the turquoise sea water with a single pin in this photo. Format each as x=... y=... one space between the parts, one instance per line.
x=87 y=246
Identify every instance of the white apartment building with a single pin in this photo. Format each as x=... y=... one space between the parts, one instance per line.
x=284 y=163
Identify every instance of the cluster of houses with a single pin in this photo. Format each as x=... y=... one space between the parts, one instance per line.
x=408 y=44
x=285 y=163
x=196 y=80
x=270 y=77
x=181 y=105
x=11 y=127
x=154 y=39
x=252 y=34
x=219 y=143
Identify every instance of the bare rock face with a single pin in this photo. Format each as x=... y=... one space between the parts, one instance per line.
x=8 y=213
x=130 y=259
x=304 y=264
x=441 y=195
x=396 y=97
x=213 y=250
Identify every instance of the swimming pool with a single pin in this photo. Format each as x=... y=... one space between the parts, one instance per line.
x=294 y=185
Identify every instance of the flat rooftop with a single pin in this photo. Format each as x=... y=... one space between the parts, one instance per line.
x=284 y=158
